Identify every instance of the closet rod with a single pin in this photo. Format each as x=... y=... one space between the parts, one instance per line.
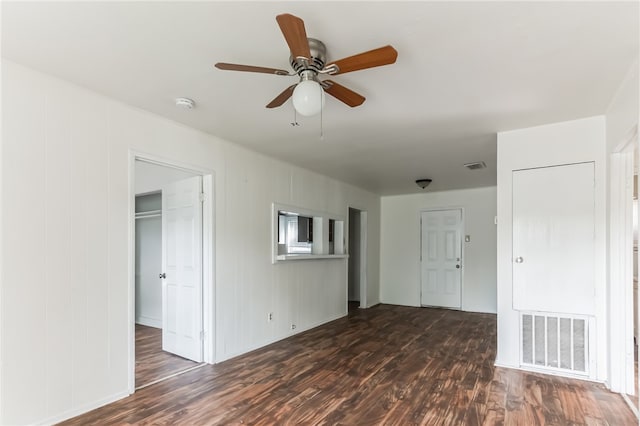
x=152 y=213
x=148 y=216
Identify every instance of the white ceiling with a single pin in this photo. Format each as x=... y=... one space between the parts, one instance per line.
x=464 y=72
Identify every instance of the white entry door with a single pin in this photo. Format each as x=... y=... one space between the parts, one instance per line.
x=554 y=239
x=441 y=258
x=182 y=268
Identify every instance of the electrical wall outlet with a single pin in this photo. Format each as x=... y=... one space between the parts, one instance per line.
x=293 y=326
x=270 y=316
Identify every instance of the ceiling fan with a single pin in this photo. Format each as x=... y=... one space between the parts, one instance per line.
x=308 y=61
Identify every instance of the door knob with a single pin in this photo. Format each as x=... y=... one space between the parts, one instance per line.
x=163 y=275
x=457 y=266
x=519 y=259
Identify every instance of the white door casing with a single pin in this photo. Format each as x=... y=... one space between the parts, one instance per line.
x=621 y=292
x=441 y=258
x=554 y=239
x=182 y=266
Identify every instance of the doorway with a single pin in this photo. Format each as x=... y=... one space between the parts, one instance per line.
x=441 y=258
x=623 y=326
x=624 y=270
x=635 y=397
x=173 y=270
x=151 y=362
x=357 y=265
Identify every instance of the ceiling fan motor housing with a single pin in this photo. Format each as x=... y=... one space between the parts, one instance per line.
x=317 y=61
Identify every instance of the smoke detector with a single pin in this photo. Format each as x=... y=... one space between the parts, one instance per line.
x=475 y=165
x=185 y=103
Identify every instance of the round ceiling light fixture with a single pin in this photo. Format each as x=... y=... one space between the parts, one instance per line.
x=423 y=183
x=185 y=103
x=308 y=97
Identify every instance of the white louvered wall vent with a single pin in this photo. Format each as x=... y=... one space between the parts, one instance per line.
x=555 y=342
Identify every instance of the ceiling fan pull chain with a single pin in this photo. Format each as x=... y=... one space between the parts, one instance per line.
x=295 y=118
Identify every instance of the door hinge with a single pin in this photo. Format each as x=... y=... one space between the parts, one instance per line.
x=202 y=197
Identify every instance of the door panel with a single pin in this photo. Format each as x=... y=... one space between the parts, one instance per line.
x=182 y=264
x=441 y=266
x=554 y=239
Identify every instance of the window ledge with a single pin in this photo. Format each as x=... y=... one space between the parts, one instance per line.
x=305 y=256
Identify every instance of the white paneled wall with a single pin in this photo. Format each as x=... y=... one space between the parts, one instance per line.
x=65 y=226
x=568 y=142
x=400 y=255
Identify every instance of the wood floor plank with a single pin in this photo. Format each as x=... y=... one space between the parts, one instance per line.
x=152 y=363
x=386 y=365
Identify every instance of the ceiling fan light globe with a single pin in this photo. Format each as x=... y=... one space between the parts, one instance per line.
x=308 y=98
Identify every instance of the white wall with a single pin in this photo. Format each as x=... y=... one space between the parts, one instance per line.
x=65 y=262
x=560 y=143
x=400 y=246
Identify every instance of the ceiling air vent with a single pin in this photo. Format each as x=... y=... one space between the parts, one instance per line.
x=476 y=165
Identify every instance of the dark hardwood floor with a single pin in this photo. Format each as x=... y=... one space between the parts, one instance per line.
x=383 y=365
x=152 y=363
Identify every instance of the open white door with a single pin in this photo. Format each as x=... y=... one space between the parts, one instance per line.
x=440 y=259
x=182 y=268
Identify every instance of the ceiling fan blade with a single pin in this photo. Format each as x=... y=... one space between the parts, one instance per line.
x=294 y=33
x=249 y=68
x=282 y=97
x=343 y=94
x=373 y=58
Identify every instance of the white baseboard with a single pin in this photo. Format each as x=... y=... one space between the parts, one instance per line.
x=84 y=408
x=476 y=311
x=277 y=339
x=631 y=405
x=548 y=372
x=149 y=322
x=410 y=305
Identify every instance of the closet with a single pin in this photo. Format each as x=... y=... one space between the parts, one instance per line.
x=149 y=259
